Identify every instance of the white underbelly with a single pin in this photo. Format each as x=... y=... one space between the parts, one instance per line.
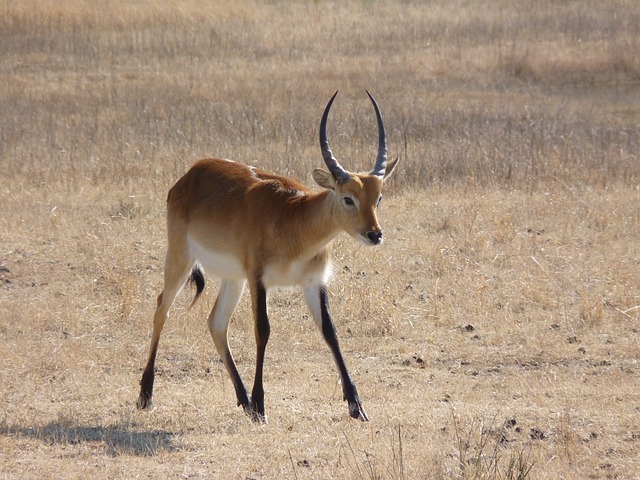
x=225 y=265
x=295 y=273
x=219 y=264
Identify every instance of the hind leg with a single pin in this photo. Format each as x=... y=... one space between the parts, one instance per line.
x=262 y=330
x=228 y=298
x=176 y=273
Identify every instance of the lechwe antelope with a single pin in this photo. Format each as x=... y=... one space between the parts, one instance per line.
x=243 y=224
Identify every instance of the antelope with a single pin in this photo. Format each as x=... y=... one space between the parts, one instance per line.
x=245 y=225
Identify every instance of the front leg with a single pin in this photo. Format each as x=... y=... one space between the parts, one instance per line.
x=318 y=302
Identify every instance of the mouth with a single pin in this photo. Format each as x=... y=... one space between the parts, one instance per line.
x=370 y=240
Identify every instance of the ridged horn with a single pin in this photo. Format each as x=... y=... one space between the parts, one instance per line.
x=339 y=173
x=381 y=160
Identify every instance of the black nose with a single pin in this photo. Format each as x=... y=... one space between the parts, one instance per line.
x=374 y=237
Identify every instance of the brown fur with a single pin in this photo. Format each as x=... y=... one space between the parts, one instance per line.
x=264 y=219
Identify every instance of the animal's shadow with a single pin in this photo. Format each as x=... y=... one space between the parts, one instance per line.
x=116 y=440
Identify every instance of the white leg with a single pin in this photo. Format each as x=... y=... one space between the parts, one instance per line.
x=218 y=322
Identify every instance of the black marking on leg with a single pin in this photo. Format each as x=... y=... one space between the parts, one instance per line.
x=350 y=394
x=241 y=392
x=146 y=384
x=262 y=332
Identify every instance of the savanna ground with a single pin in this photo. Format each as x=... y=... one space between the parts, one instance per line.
x=495 y=333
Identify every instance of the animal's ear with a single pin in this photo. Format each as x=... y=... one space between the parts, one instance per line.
x=390 y=166
x=324 y=179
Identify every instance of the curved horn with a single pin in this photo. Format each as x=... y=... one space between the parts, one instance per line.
x=339 y=173
x=381 y=161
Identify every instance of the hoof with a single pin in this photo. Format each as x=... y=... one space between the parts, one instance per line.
x=144 y=402
x=356 y=410
x=253 y=409
x=256 y=417
x=248 y=409
x=260 y=418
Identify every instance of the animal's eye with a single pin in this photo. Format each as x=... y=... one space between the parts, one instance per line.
x=379 y=200
x=348 y=201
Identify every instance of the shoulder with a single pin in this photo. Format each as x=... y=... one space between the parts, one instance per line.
x=282 y=186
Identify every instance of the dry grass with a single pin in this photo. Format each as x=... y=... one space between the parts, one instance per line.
x=494 y=335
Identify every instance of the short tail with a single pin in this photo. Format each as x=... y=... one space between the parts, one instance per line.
x=197 y=277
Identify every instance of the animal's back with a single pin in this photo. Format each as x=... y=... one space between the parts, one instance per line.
x=224 y=211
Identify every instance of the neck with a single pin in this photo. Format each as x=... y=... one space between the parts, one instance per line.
x=313 y=224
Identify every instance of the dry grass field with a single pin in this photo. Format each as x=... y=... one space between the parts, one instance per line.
x=495 y=333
